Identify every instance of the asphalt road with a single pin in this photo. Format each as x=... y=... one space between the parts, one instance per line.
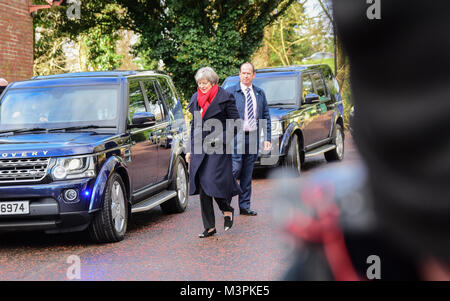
x=166 y=247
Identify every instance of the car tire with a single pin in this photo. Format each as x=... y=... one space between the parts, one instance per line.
x=336 y=154
x=110 y=223
x=180 y=184
x=292 y=160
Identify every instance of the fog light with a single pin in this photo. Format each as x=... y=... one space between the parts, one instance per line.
x=70 y=195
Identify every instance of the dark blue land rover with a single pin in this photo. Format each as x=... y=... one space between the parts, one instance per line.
x=83 y=151
x=307 y=114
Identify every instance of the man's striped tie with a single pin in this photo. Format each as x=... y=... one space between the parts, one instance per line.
x=250 y=110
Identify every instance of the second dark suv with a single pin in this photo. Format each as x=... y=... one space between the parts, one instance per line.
x=84 y=151
x=306 y=111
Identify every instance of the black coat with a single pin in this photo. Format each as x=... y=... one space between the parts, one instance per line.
x=213 y=171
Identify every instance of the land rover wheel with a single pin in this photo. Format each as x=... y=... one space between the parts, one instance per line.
x=180 y=184
x=336 y=154
x=110 y=223
x=292 y=161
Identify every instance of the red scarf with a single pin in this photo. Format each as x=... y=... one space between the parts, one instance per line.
x=204 y=100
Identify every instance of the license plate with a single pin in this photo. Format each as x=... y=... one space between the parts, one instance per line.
x=13 y=208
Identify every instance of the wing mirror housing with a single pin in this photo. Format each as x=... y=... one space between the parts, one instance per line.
x=143 y=119
x=311 y=98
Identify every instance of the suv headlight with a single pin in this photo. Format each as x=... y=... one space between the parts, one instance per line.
x=277 y=128
x=70 y=168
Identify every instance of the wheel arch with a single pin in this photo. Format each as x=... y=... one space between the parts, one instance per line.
x=340 y=121
x=112 y=165
x=293 y=129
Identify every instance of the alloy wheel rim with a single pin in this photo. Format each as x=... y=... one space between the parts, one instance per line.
x=118 y=207
x=339 y=144
x=297 y=157
x=181 y=184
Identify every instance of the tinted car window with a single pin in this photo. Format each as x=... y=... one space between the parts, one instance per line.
x=54 y=106
x=168 y=94
x=278 y=90
x=137 y=104
x=320 y=85
x=307 y=86
x=230 y=82
x=154 y=101
x=332 y=84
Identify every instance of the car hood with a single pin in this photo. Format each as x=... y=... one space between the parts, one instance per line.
x=54 y=144
x=279 y=113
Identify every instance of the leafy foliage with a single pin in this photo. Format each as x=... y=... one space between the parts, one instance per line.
x=184 y=34
x=343 y=67
x=94 y=45
x=293 y=37
x=48 y=48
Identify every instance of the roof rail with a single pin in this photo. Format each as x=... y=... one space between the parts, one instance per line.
x=86 y=74
x=114 y=73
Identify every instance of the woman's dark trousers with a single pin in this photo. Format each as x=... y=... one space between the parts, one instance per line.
x=206 y=203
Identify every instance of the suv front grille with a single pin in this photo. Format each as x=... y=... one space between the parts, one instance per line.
x=23 y=170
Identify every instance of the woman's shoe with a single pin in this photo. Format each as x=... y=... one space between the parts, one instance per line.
x=228 y=223
x=207 y=233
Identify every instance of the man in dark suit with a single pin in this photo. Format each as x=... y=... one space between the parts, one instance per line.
x=252 y=105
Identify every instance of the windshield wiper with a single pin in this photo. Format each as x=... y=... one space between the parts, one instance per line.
x=73 y=128
x=24 y=130
x=11 y=131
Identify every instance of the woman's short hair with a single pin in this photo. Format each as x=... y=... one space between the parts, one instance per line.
x=207 y=73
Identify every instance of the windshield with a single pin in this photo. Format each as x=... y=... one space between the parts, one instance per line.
x=53 y=107
x=278 y=90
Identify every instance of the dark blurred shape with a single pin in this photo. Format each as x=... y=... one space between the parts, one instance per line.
x=331 y=216
x=351 y=116
x=400 y=83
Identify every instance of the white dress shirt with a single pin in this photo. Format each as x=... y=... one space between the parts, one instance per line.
x=247 y=127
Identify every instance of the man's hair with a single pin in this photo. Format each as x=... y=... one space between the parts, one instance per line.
x=247 y=63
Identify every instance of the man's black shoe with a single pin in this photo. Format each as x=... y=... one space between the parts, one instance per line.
x=247 y=212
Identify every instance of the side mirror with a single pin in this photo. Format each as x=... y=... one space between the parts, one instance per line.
x=311 y=98
x=143 y=119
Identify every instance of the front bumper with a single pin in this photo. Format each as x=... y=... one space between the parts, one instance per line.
x=49 y=211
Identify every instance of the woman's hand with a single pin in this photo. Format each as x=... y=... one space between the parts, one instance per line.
x=188 y=158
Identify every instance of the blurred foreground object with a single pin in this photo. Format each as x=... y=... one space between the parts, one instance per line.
x=401 y=127
x=330 y=214
x=401 y=124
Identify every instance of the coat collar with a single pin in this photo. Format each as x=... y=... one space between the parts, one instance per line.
x=213 y=108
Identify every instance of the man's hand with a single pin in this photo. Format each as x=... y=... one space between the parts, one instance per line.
x=188 y=158
x=267 y=146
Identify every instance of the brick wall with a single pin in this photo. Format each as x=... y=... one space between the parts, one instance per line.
x=16 y=40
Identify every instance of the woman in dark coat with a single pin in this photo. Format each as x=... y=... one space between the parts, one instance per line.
x=210 y=169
